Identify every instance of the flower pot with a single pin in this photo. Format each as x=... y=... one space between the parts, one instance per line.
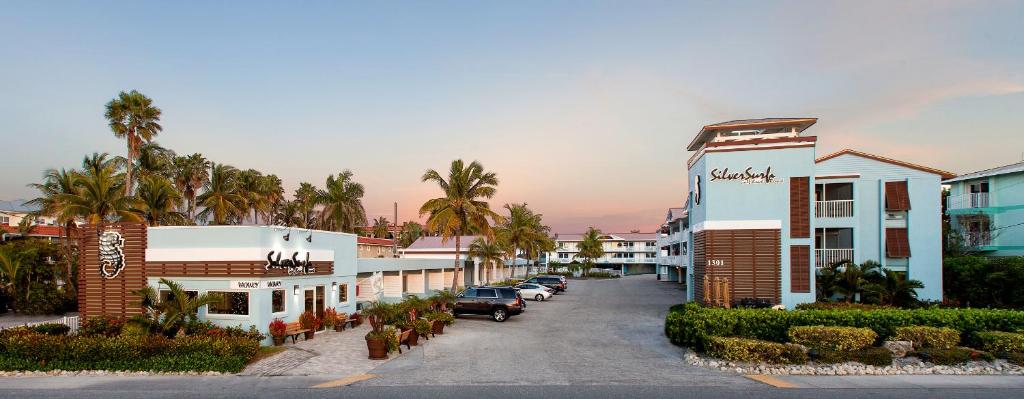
x=309 y=334
x=378 y=349
x=278 y=341
x=437 y=327
x=414 y=338
x=339 y=327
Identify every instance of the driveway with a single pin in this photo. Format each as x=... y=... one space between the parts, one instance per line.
x=599 y=332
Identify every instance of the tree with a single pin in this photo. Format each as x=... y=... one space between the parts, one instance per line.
x=10 y=270
x=342 y=201
x=257 y=192
x=590 y=248
x=411 y=231
x=55 y=190
x=380 y=227
x=852 y=279
x=154 y=160
x=99 y=194
x=157 y=202
x=305 y=198
x=133 y=117
x=895 y=289
x=190 y=174
x=221 y=198
x=489 y=252
x=462 y=207
x=172 y=314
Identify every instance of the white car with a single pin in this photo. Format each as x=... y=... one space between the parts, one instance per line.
x=536 y=291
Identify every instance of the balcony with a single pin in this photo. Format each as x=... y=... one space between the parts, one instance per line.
x=831 y=256
x=967 y=201
x=975 y=239
x=833 y=209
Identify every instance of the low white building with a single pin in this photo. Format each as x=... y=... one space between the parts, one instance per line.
x=474 y=272
x=629 y=253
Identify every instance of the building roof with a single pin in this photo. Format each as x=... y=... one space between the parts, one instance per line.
x=707 y=131
x=941 y=173
x=374 y=241
x=38 y=230
x=17 y=205
x=676 y=214
x=1000 y=170
x=435 y=243
x=614 y=236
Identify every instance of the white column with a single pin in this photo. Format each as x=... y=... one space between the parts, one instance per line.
x=476 y=272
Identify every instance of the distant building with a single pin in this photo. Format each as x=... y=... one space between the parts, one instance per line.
x=986 y=210
x=369 y=247
x=439 y=248
x=673 y=246
x=630 y=253
x=12 y=213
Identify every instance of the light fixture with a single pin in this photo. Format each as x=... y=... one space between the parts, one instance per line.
x=334 y=286
x=309 y=238
x=287 y=235
x=296 y=290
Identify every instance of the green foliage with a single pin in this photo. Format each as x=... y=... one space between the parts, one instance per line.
x=1001 y=342
x=380 y=314
x=590 y=248
x=753 y=350
x=388 y=334
x=101 y=326
x=28 y=350
x=1015 y=358
x=832 y=338
x=978 y=281
x=692 y=325
x=602 y=275
x=951 y=356
x=925 y=337
x=422 y=327
x=840 y=306
x=867 y=282
x=443 y=317
x=51 y=329
x=42 y=298
x=874 y=356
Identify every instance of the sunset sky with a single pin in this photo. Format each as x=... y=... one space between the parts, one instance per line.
x=582 y=108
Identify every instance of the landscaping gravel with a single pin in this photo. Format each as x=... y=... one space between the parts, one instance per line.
x=902 y=366
x=99 y=373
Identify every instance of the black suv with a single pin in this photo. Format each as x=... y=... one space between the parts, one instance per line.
x=556 y=283
x=499 y=302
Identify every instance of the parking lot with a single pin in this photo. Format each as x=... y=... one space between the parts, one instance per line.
x=599 y=332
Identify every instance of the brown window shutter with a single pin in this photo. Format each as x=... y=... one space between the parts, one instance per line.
x=896 y=196
x=799 y=207
x=800 y=268
x=897 y=244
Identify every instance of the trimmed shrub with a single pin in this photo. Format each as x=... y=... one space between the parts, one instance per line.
x=753 y=350
x=692 y=325
x=832 y=338
x=1015 y=358
x=924 y=337
x=1000 y=342
x=51 y=329
x=879 y=357
x=102 y=325
x=840 y=306
x=951 y=356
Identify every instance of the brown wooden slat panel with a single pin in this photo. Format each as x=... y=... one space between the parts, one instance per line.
x=799 y=207
x=800 y=268
x=897 y=244
x=896 y=196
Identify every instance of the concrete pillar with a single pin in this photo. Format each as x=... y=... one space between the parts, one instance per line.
x=476 y=273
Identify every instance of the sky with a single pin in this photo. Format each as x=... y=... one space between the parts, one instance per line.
x=582 y=108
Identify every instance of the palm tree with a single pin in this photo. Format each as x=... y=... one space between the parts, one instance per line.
x=852 y=280
x=273 y=191
x=462 y=208
x=133 y=117
x=590 y=248
x=157 y=202
x=154 y=159
x=256 y=192
x=524 y=231
x=221 y=198
x=895 y=289
x=191 y=172
x=342 y=199
x=411 y=231
x=99 y=195
x=489 y=252
x=10 y=268
x=305 y=198
x=57 y=185
x=179 y=308
x=380 y=227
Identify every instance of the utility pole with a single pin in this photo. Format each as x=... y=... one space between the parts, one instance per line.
x=395 y=234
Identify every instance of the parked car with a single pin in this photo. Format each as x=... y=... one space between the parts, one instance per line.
x=536 y=291
x=499 y=302
x=556 y=283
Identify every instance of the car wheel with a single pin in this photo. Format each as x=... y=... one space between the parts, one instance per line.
x=500 y=315
x=539 y=298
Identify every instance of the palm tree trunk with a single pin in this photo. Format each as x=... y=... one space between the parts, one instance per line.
x=131 y=163
x=455 y=274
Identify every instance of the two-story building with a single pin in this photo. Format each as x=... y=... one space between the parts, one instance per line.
x=629 y=253
x=764 y=212
x=673 y=246
x=986 y=210
x=13 y=213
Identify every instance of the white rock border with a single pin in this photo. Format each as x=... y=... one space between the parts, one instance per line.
x=106 y=373
x=903 y=366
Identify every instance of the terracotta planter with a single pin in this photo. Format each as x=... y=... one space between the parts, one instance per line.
x=414 y=338
x=309 y=335
x=339 y=327
x=378 y=349
x=278 y=341
x=437 y=327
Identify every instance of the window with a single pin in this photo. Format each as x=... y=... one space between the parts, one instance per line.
x=486 y=293
x=231 y=302
x=563 y=255
x=508 y=294
x=469 y=293
x=165 y=295
x=896 y=196
x=5 y=220
x=342 y=293
x=277 y=301
x=896 y=243
x=651 y=243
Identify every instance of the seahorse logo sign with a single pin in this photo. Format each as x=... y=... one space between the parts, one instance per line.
x=111 y=254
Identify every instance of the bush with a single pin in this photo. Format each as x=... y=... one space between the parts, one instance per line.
x=832 y=338
x=1015 y=358
x=753 y=350
x=951 y=356
x=43 y=299
x=879 y=357
x=924 y=337
x=985 y=282
x=51 y=329
x=278 y=328
x=28 y=350
x=602 y=275
x=102 y=325
x=691 y=325
x=840 y=306
x=444 y=317
x=1000 y=342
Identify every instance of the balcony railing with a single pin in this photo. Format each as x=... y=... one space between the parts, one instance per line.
x=970 y=200
x=833 y=209
x=973 y=240
x=828 y=257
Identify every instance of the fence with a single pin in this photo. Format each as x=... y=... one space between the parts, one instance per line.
x=70 y=321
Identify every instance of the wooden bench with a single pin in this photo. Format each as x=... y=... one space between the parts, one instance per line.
x=403 y=338
x=293 y=330
x=349 y=321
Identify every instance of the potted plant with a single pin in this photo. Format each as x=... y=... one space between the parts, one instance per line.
x=357 y=319
x=439 y=320
x=277 y=329
x=442 y=300
x=330 y=319
x=380 y=339
x=310 y=322
x=422 y=328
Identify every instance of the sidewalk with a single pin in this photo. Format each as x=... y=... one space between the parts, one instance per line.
x=892 y=381
x=330 y=353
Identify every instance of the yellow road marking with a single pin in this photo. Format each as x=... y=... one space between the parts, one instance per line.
x=352 y=379
x=775 y=382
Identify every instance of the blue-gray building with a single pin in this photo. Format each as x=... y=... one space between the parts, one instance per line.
x=986 y=210
x=764 y=212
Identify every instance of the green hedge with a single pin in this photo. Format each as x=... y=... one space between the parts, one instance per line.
x=924 y=337
x=951 y=356
x=692 y=325
x=880 y=357
x=28 y=350
x=832 y=338
x=753 y=350
x=1000 y=342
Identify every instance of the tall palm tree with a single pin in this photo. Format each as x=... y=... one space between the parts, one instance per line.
x=590 y=248
x=411 y=231
x=273 y=191
x=342 y=201
x=153 y=159
x=306 y=197
x=191 y=172
x=380 y=227
x=256 y=192
x=157 y=202
x=100 y=191
x=287 y=213
x=220 y=198
x=54 y=191
x=525 y=232
x=462 y=208
x=133 y=117
x=489 y=252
